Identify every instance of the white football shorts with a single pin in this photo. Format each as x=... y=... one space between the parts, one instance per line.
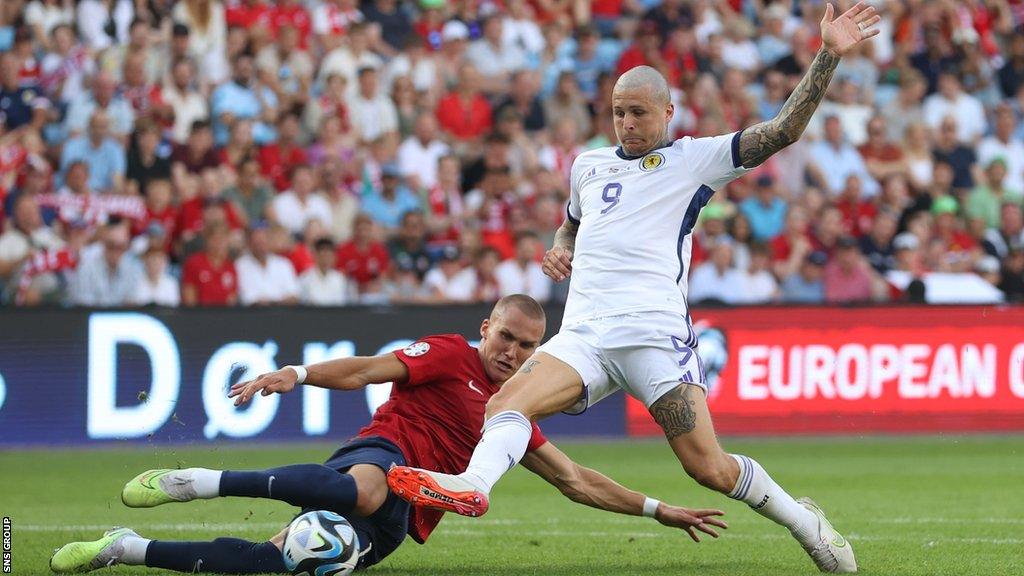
x=646 y=354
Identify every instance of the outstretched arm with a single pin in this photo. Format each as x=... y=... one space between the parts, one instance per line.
x=341 y=374
x=590 y=487
x=838 y=36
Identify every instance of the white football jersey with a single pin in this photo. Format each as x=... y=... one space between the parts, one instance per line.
x=635 y=220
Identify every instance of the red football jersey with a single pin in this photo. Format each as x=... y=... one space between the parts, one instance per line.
x=435 y=417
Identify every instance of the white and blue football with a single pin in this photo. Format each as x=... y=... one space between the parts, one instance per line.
x=321 y=543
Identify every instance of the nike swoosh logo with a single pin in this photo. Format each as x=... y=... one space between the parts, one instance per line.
x=474 y=388
x=199 y=565
x=270 y=482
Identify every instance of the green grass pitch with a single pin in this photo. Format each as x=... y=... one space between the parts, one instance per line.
x=910 y=506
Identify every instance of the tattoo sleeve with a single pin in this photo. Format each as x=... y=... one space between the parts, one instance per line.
x=565 y=237
x=762 y=140
x=674 y=412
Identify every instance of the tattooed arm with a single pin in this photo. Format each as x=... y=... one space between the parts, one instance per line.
x=838 y=36
x=558 y=261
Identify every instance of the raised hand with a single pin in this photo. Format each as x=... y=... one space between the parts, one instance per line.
x=849 y=29
x=691 y=521
x=280 y=381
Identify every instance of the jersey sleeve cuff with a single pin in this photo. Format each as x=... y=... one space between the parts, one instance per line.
x=736 y=162
x=569 y=215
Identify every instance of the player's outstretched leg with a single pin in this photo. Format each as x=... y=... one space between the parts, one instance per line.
x=303 y=485
x=543 y=386
x=89 y=556
x=683 y=415
x=124 y=546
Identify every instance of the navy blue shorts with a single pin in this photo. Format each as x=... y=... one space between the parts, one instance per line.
x=384 y=530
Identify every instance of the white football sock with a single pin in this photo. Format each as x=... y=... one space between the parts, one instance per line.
x=506 y=436
x=134 y=553
x=757 y=489
x=206 y=483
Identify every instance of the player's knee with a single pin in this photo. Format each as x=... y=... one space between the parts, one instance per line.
x=369 y=496
x=712 y=474
x=501 y=403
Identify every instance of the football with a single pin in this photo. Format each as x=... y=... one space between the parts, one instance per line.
x=321 y=543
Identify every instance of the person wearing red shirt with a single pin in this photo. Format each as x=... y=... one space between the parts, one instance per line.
x=959 y=250
x=291 y=13
x=432 y=418
x=857 y=214
x=464 y=112
x=363 y=259
x=159 y=210
x=278 y=159
x=209 y=277
x=247 y=14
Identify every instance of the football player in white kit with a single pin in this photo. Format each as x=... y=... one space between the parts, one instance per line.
x=626 y=244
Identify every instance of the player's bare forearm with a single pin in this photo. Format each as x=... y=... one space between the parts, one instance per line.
x=580 y=484
x=760 y=141
x=565 y=236
x=356 y=372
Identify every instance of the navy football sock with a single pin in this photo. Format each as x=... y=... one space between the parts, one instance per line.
x=223 y=556
x=302 y=485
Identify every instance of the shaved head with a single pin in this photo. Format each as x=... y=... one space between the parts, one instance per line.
x=644 y=78
x=641 y=110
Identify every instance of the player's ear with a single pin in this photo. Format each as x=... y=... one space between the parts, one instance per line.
x=483 y=327
x=670 y=111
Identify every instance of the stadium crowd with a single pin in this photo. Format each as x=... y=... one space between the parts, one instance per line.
x=336 y=152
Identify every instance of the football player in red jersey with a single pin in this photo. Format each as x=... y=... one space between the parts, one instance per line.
x=432 y=419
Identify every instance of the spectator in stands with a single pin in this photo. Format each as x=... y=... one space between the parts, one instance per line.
x=157 y=286
x=181 y=94
x=960 y=251
x=765 y=210
x=148 y=158
x=103 y=23
x=806 y=286
x=448 y=281
x=26 y=234
x=1009 y=236
x=322 y=285
x=716 y=280
x=250 y=195
x=107 y=277
x=846 y=276
x=142 y=94
x=837 y=159
x=264 y=278
x=66 y=66
x=857 y=214
x=1011 y=75
x=287 y=67
x=328 y=117
x=523 y=274
x=876 y=246
x=197 y=154
x=464 y=113
x=419 y=154
x=160 y=210
x=373 y=113
x=349 y=60
x=1004 y=143
x=906 y=109
x=363 y=258
x=294 y=208
x=759 y=285
x=207 y=24
x=209 y=277
x=20 y=105
x=985 y=201
x=101 y=98
x=243 y=98
x=279 y=158
x=952 y=101
x=103 y=155
x=345 y=205
x=392 y=22
x=388 y=204
x=568 y=102
x=408 y=248
x=882 y=156
x=446 y=211
x=1011 y=280
x=959 y=156
x=485 y=266
x=494 y=59
x=523 y=98
x=44 y=16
